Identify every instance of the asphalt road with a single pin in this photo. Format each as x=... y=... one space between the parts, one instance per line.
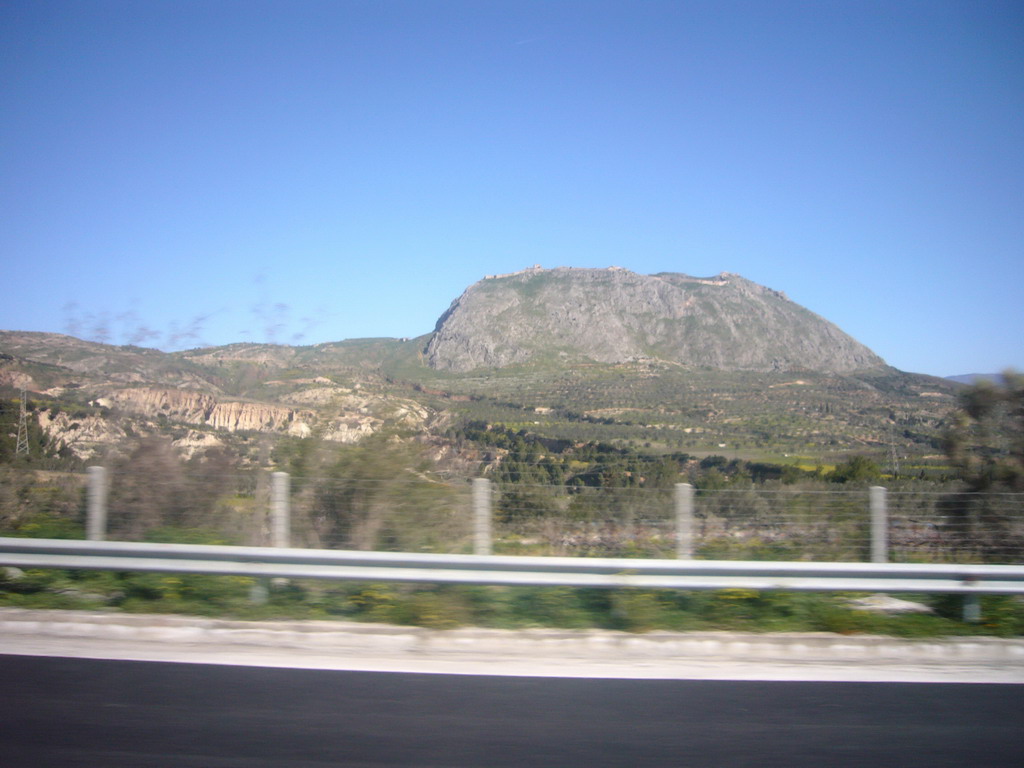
x=107 y=714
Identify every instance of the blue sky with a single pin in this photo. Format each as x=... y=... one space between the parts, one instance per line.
x=185 y=173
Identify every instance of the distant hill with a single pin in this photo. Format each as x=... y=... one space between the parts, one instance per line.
x=974 y=378
x=568 y=315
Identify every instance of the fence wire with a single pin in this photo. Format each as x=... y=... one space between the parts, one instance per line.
x=956 y=527
x=582 y=521
x=415 y=513
x=760 y=524
x=419 y=512
x=743 y=524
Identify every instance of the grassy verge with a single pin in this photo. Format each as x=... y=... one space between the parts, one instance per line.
x=449 y=606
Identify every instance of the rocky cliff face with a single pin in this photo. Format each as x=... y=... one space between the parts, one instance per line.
x=84 y=436
x=612 y=315
x=196 y=408
x=335 y=414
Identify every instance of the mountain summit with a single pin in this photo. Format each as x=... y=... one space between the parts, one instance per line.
x=613 y=315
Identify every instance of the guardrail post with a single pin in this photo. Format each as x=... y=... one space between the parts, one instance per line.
x=96 y=494
x=482 y=496
x=879 y=525
x=280 y=509
x=684 y=521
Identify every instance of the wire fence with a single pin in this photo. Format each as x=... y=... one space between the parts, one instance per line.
x=760 y=523
x=411 y=511
x=956 y=527
x=749 y=524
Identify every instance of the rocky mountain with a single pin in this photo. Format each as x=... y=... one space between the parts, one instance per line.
x=568 y=315
x=658 y=362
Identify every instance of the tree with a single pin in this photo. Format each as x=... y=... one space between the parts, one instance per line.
x=986 y=441
x=148 y=489
x=986 y=445
x=858 y=469
x=380 y=494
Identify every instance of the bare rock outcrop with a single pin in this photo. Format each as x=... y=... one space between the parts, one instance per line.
x=196 y=442
x=568 y=315
x=177 y=404
x=17 y=380
x=253 y=417
x=84 y=436
x=198 y=408
x=343 y=416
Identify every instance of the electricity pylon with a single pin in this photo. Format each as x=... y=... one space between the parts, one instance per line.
x=894 y=459
x=21 y=448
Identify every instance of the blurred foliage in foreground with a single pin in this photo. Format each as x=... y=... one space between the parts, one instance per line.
x=450 y=606
x=389 y=494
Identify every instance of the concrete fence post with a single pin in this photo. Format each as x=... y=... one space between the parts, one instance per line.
x=280 y=531
x=280 y=509
x=879 y=525
x=684 y=521
x=972 y=608
x=96 y=508
x=482 y=495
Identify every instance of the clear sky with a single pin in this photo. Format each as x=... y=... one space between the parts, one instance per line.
x=179 y=173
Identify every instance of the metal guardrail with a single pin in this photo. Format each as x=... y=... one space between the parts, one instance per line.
x=266 y=562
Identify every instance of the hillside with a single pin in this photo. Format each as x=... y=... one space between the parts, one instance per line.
x=663 y=363
x=567 y=315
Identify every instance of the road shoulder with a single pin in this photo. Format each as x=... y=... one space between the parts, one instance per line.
x=533 y=653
